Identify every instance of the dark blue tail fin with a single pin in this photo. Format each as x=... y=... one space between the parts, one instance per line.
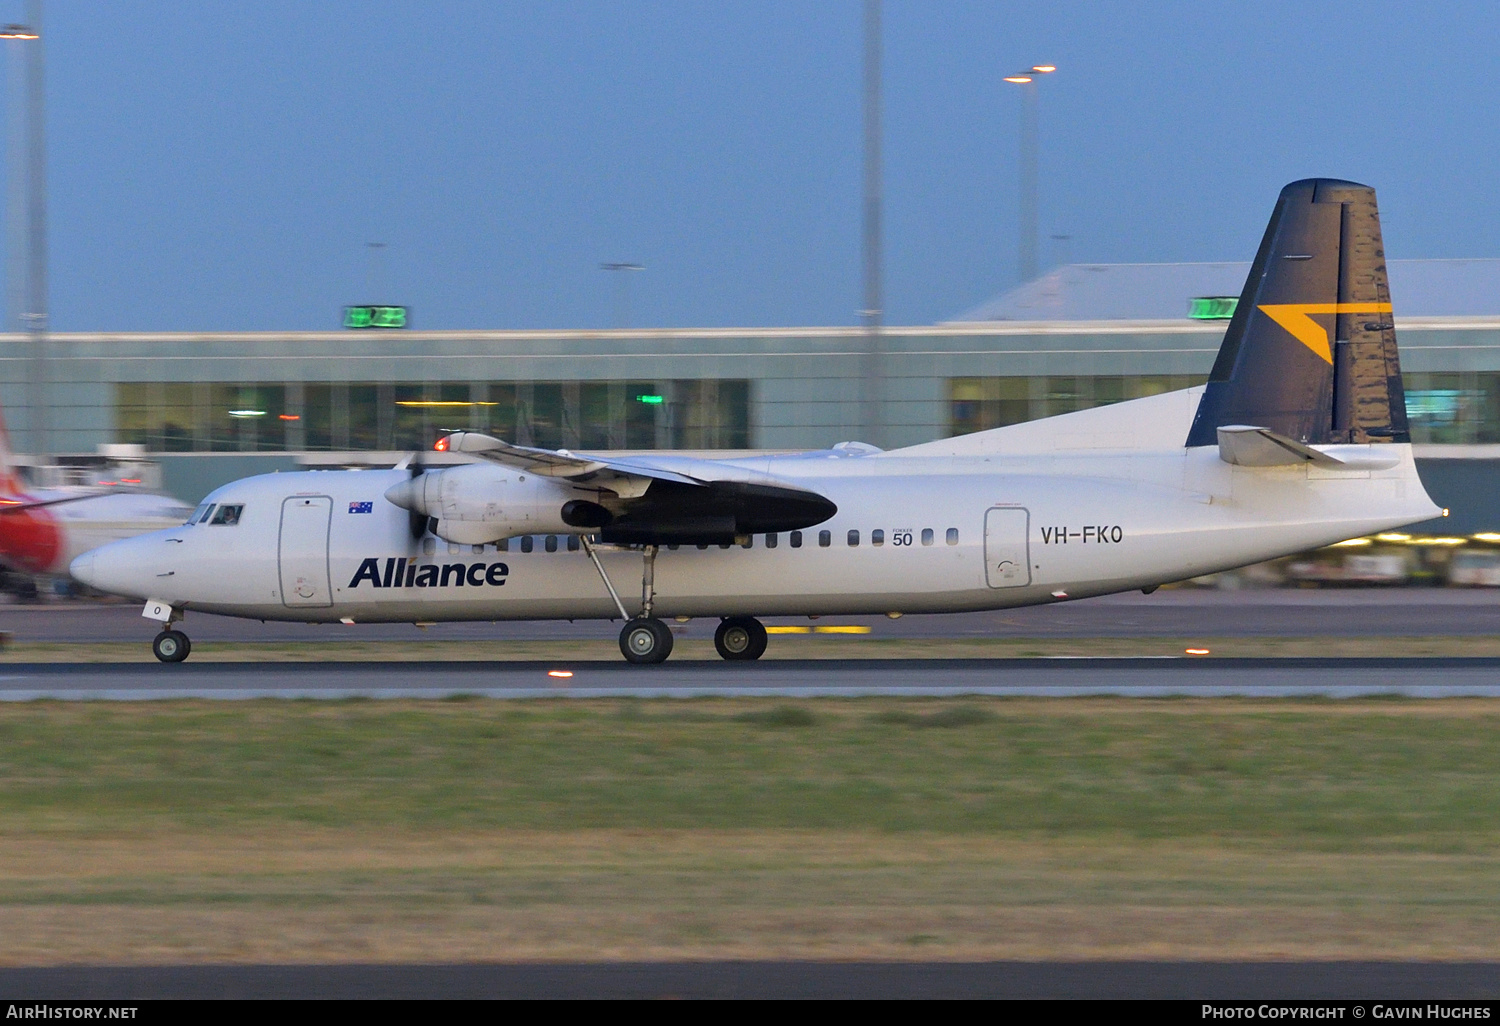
x=1311 y=350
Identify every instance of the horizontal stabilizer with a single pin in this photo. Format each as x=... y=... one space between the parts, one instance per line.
x=1247 y=446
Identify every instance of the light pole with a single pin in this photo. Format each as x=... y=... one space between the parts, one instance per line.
x=1027 y=81
x=1064 y=248
x=374 y=280
x=26 y=268
x=622 y=290
x=871 y=385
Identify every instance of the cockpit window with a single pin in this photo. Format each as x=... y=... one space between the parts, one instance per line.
x=199 y=513
x=228 y=515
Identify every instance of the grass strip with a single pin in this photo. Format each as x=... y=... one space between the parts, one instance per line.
x=839 y=828
x=1314 y=775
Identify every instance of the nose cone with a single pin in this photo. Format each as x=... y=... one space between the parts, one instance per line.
x=82 y=569
x=128 y=567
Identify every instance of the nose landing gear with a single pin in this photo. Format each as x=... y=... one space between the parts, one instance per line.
x=171 y=646
x=740 y=638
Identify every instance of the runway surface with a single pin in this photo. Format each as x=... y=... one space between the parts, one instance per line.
x=1137 y=678
x=1197 y=981
x=1181 y=612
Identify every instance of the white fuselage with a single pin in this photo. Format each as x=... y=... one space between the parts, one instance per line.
x=959 y=532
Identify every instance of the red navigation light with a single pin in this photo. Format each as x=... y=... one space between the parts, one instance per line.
x=441 y=445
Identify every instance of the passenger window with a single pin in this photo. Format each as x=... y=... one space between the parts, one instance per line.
x=551 y=543
x=926 y=536
x=527 y=543
x=854 y=539
x=877 y=537
x=199 y=513
x=952 y=536
x=227 y=515
x=796 y=539
x=573 y=544
x=770 y=541
x=503 y=545
x=825 y=539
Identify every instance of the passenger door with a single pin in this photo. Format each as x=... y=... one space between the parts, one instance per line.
x=303 y=553
x=1007 y=554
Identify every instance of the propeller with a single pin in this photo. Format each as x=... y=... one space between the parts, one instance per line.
x=416 y=469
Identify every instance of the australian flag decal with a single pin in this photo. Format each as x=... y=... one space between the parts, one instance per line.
x=361 y=507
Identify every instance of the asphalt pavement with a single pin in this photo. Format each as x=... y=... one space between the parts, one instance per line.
x=1046 y=677
x=1357 y=982
x=1196 y=612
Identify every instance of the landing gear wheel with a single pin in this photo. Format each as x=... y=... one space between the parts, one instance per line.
x=740 y=637
x=646 y=640
x=171 y=646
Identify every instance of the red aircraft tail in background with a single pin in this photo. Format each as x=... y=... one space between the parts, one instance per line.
x=30 y=538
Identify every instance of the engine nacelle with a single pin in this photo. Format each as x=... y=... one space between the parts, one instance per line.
x=479 y=503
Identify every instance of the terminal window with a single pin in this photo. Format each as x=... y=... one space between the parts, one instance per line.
x=405 y=416
x=979 y=404
x=1451 y=408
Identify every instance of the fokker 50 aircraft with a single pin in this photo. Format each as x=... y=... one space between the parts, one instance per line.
x=1298 y=440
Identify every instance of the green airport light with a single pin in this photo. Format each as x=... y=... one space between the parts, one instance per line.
x=1212 y=308
x=650 y=400
x=375 y=317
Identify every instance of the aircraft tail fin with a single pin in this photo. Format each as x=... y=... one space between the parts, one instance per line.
x=10 y=479
x=1310 y=353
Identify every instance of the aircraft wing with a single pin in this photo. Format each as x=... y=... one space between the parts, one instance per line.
x=561 y=463
x=14 y=505
x=640 y=499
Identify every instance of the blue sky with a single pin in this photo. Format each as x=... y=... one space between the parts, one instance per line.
x=220 y=166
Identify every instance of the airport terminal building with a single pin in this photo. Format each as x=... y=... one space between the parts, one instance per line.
x=213 y=407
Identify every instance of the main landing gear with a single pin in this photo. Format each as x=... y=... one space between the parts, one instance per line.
x=740 y=638
x=171 y=646
x=646 y=639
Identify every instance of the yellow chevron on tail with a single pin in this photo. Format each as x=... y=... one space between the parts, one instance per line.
x=1297 y=320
